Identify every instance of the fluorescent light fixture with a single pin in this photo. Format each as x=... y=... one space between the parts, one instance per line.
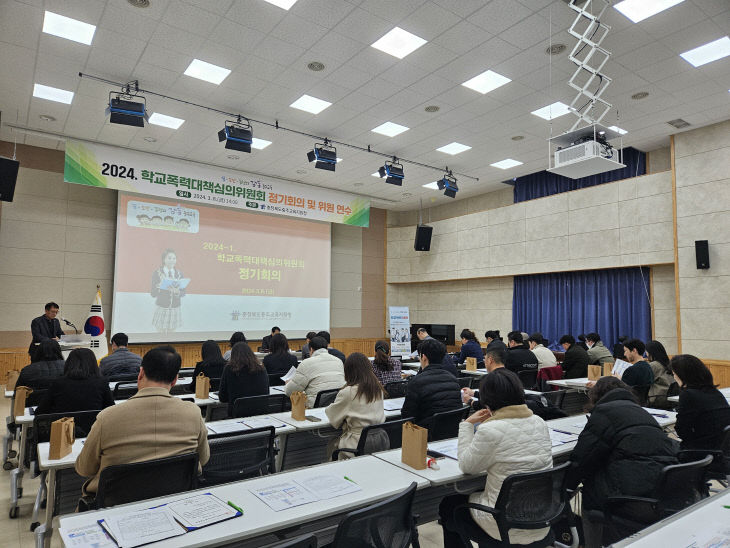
x=618 y=130
x=376 y=174
x=506 y=164
x=389 y=129
x=453 y=148
x=486 y=82
x=311 y=104
x=638 y=10
x=206 y=71
x=399 y=43
x=707 y=53
x=432 y=186
x=283 y=4
x=165 y=121
x=68 y=28
x=552 y=111
x=53 y=94
x=339 y=160
x=259 y=144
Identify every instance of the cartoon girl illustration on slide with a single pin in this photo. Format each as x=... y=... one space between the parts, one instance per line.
x=168 y=288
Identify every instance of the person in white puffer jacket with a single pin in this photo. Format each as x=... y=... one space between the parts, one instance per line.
x=502 y=439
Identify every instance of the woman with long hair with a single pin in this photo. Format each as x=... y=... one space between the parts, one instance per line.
x=358 y=404
x=243 y=376
x=386 y=368
x=167 y=293
x=212 y=363
x=470 y=347
x=279 y=360
x=659 y=363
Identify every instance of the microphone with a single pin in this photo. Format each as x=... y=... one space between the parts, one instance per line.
x=64 y=320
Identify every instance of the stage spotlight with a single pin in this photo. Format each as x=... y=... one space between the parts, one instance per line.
x=448 y=185
x=122 y=110
x=324 y=156
x=237 y=135
x=393 y=172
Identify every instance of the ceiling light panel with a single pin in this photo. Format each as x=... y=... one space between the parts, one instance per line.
x=552 y=111
x=506 y=164
x=432 y=186
x=708 y=53
x=618 y=130
x=165 y=121
x=376 y=174
x=68 y=28
x=311 y=104
x=284 y=4
x=259 y=144
x=486 y=81
x=389 y=129
x=454 y=148
x=399 y=43
x=53 y=94
x=207 y=71
x=638 y=10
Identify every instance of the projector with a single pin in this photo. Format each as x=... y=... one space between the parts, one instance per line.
x=584 y=152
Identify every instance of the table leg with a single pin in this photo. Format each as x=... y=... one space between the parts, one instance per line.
x=16 y=476
x=208 y=412
x=44 y=531
x=281 y=439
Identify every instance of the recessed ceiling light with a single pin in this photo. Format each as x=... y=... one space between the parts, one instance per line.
x=165 y=121
x=432 y=108
x=486 y=82
x=316 y=66
x=233 y=157
x=47 y=117
x=150 y=139
x=390 y=129
x=433 y=186
x=618 y=130
x=707 y=53
x=555 y=49
x=506 y=164
x=640 y=95
x=259 y=144
x=552 y=111
x=376 y=174
x=339 y=159
x=206 y=71
x=638 y=10
x=399 y=43
x=68 y=28
x=518 y=137
x=284 y=4
x=453 y=148
x=53 y=94
x=311 y=104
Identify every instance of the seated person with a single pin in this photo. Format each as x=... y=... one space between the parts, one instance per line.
x=597 y=351
x=279 y=360
x=518 y=357
x=46 y=366
x=621 y=451
x=508 y=439
x=336 y=353
x=386 y=368
x=470 y=348
x=433 y=389
x=575 y=362
x=639 y=374
x=211 y=365
x=152 y=424
x=703 y=411
x=494 y=341
x=305 y=346
x=321 y=371
x=545 y=356
x=243 y=376
x=493 y=360
x=121 y=361
x=266 y=341
x=663 y=378
x=81 y=388
x=357 y=405
x=237 y=337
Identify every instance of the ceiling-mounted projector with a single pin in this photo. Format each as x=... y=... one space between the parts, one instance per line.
x=584 y=152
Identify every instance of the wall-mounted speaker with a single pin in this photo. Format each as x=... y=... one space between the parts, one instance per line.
x=8 y=176
x=702 y=254
x=423 y=238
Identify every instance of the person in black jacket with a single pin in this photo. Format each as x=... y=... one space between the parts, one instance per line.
x=45 y=327
x=332 y=351
x=305 y=347
x=279 y=361
x=575 y=362
x=266 y=341
x=212 y=363
x=433 y=389
x=621 y=451
x=470 y=348
x=81 y=388
x=46 y=366
x=519 y=358
x=703 y=412
x=494 y=341
x=243 y=376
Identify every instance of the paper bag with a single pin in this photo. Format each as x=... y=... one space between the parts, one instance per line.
x=471 y=364
x=12 y=379
x=413 y=450
x=202 y=387
x=62 y=438
x=607 y=368
x=595 y=372
x=21 y=393
x=298 y=405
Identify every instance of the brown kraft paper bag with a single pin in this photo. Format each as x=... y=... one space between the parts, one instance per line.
x=595 y=372
x=202 y=387
x=62 y=438
x=415 y=441
x=471 y=364
x=12 y=379
x=21 y=393
x=298 y=405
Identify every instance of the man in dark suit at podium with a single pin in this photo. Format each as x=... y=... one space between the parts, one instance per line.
x=46 y=326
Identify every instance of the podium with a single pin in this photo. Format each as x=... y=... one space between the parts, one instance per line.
x=71 y=342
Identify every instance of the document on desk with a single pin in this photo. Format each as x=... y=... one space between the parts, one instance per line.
x=559 y=438
x=201 y=511
x=289 y=374
x=88 y=536
x=283 y=495
x=142 y=527
x=261 y=422
x=226 y=427
x=213 y=396
x=393 y=404
x=328 y=486
x=448 y=448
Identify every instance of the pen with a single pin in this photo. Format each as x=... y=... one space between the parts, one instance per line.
x=235 y=507
x=348 y=479
x=662 y=415
x=563 y=432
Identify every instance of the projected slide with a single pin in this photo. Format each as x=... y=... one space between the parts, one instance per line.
x=189 y=272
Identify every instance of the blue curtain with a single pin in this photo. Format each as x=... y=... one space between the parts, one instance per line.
x=611 y=302
x=544 y=183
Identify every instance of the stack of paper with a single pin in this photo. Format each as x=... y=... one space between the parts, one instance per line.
x=448 y=448
x=288 y=494
x=289 y=374
x=393 y=404
x=225 y=427
x=558 y=437
x=260 y=422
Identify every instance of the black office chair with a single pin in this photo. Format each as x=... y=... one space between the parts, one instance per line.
x=555 y=397
x=325 y=397
x=123 y=483
x=531 y=500
x=442 y=426
x=396 y=389
x=377 y=437
x=386 y=524
x=305 y=541
x=123 y=378
x=275 y=380
x=642 y=393
x=719 y=469
x=239 y=455
x=250 y=406
x=528 y=377
x=124 y=390
x=35 y=397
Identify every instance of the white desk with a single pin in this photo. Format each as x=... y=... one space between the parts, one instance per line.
x=574 y=384
x=259 y=520
x=725 y=392
x=16 y=476
x=477 y=373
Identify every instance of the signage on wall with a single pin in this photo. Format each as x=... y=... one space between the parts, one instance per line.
x=400 y=330
x=122 y=169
